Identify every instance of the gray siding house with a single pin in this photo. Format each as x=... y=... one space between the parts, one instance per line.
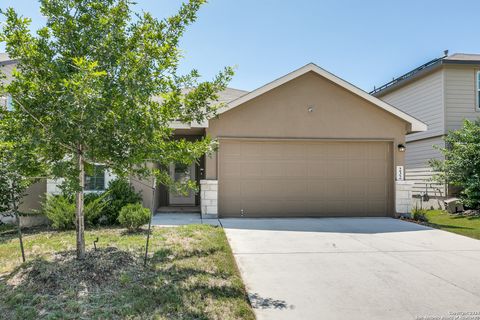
x=442 y=93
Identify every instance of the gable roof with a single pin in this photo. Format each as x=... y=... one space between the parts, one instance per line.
x=415 y=124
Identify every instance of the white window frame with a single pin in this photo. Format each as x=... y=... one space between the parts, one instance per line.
x=104 y=181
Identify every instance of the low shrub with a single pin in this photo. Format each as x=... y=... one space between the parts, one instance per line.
x=120 y=193
x=133 y=216
x=95 y=205
x=419 y=214
x=60 y=210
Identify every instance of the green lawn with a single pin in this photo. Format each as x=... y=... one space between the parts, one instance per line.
x=191 y=275
x=467 y=226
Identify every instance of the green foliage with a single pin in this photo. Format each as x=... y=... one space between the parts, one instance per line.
x=20 y=165
x=94 y=68
x=99 y=83
x=419 y=214
x=120 y=193
x=95 y=205
x=133 y=216
x=60 y=210
x=461 y=166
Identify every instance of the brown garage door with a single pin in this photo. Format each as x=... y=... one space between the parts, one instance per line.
x=275 y=178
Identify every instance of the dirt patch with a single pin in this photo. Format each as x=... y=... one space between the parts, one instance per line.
x=100 y=268
x=423 y=223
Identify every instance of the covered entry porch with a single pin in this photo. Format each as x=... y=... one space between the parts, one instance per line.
x=168 y=201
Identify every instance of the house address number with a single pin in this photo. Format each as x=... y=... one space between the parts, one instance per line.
x=400 y=173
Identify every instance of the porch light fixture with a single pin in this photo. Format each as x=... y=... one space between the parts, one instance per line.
x=401 y=147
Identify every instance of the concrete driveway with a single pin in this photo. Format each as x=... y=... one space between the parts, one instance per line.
x=355 y=268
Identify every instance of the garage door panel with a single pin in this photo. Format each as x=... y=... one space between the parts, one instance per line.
x=316 y=151
x=316 y=189
x=251 y=169
x=305 y=178
x=258 y=208
x=232 y=168
x=357 y=169
x=360 y=151
x=230 y=204
x=334 y=189
x=356 y=190
x=251 y=188
x=377 y=151
x=316 y=168
x=376 y=208
x=335 y=168
x=377 y=168
x=272 y=169
x=334 y=207
x=272 y=189
x=335 y=151
x=294 y=169
x=230 y=187
x=358 y=206
x=251 y=150
x=293 y=151
x=376 y=189
x=273 y=151
x=295 y=187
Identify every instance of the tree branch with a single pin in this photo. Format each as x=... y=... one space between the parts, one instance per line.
x=40 y=123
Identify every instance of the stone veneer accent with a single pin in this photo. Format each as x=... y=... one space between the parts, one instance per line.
x=403 y=197
x=209 y=198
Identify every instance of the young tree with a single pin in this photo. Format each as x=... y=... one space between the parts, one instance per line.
x=19 y=168
x=461 y=166
x=99 y=84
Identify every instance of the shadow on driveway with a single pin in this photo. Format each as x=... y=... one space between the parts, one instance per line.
x=335 y=225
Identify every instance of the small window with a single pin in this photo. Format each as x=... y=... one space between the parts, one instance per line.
x=96 y=181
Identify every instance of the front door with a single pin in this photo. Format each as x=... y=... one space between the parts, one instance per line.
x=181 y=172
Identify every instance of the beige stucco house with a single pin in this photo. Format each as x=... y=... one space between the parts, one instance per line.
x=442 y=93
x=307 y=144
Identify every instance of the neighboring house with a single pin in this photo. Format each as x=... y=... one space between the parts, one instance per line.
x=442 y=93
x=306 y=144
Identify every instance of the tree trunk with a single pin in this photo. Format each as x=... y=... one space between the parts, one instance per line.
x=79 y=218
x=17 y=221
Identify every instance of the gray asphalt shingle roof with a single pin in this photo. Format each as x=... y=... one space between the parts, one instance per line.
x=456 y=58
x=463 y=57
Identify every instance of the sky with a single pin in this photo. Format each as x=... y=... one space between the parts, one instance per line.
x=365 y=42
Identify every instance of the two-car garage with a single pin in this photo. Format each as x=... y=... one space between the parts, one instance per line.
x=275 y=178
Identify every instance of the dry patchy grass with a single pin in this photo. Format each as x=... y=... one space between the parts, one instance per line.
x=191 y=275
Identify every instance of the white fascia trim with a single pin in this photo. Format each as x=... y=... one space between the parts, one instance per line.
x=416 y=125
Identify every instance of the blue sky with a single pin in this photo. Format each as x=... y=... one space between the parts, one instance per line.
x=365 y=42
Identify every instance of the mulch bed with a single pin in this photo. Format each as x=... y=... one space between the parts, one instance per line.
x=100 y=268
